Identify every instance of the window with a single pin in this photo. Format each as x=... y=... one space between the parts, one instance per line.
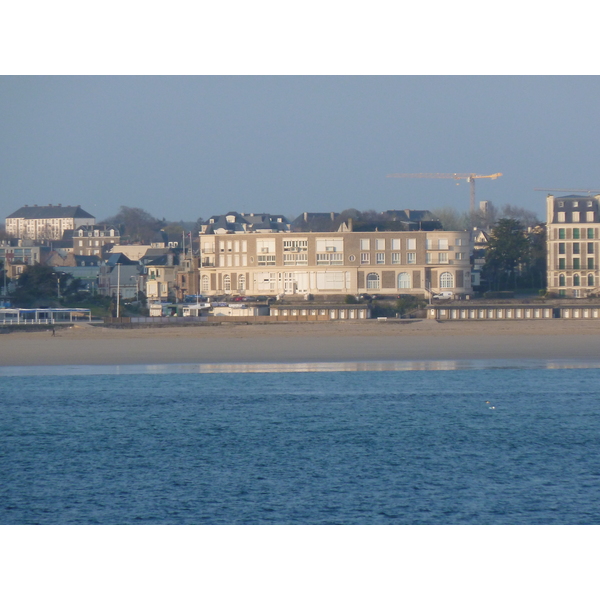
x=395 y=244
x=446 y=280
x=411 y=244
x=266 y=260
x=334 y=258
x=373 y=281
x=576 y=263
x=380 y=244
x=590 y=280
x=265 y=246
x=365 y=258
x=561 y=280
x=590 y=263
x=576 y=248
x=460 y=255
x=428 y=244
x=590 y=216
x=576 y=233
x=295 y=245
x=561 y=248
x=458 y=242
x=395 y=258
x=575 y=217
x=561 y=217
x=590 y=248
x=561 y=234
x=590 y=234
x=380 y=258
x=241 y=283
x=403 y=281
x=227 y=283
x=411 y=258
x=576 y=280
x=443 y=258
x=365 y=244
x=561 y=264
x=443 y=244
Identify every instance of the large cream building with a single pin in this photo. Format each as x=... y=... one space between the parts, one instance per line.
x=573 y=231
x=46 y=222
x=391 y=262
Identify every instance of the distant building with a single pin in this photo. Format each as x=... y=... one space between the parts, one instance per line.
x=234 y=222
x=310 y=221
x=573 y=231
x=93 y=240
x=46 y=222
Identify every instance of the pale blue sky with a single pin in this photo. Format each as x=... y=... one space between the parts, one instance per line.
x=185 y=147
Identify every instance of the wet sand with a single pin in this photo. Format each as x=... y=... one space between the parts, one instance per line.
x=306 y=342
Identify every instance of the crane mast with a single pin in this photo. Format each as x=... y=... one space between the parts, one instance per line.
x=470 y=178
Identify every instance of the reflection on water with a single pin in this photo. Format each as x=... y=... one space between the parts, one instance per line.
x=304 y=367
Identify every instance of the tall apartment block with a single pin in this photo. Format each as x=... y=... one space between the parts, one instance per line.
x=573 y=234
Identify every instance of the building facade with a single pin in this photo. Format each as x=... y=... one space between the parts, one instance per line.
x=46 y=222
x=94 y=240
x=573 y=233
x=391 y=262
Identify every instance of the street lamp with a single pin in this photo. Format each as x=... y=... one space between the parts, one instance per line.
x=57 y=275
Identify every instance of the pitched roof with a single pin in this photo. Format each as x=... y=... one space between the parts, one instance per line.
x=50 y=212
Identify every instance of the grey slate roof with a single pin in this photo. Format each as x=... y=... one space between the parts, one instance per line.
x=50 y=212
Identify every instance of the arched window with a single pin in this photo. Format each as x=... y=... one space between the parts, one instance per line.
x=226 y=283
x=590 y=279
x=576 y=280
x=372 y=281
x=561 y=281
x=241 y=283
x=204 y=283
x=446 y=280
x=403 y=281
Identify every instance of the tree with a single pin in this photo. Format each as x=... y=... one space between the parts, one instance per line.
x=451 y=219
x=135 y=223
x=527 y=218
x=508 y=250
x=38 y=286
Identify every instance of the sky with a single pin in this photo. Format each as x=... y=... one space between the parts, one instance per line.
x=184 y=147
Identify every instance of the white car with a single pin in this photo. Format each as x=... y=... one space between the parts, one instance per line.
x=443 y=296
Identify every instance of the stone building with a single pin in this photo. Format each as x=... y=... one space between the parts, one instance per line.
x=573 y=229
x=46 y=222
x=390 y=262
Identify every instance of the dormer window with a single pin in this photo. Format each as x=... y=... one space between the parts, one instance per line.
x=561 y=203
x=575 y=204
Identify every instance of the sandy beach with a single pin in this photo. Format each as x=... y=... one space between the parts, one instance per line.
x=306 y=342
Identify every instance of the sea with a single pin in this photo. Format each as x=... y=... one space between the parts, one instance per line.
x=405 y=443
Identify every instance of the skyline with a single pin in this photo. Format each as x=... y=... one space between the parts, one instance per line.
x=188 y=147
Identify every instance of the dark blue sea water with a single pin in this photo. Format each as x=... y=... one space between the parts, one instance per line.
x=468 y=446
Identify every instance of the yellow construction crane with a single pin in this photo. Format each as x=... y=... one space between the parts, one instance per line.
x=470 y=177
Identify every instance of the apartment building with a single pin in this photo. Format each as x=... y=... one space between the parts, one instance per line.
x=46 y=222
x=573 y=228
x=390 y=262
x=93 y=240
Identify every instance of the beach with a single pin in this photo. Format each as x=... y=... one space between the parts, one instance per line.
x=412 y=340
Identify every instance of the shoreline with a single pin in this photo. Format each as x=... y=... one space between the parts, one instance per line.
x=325 y=342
